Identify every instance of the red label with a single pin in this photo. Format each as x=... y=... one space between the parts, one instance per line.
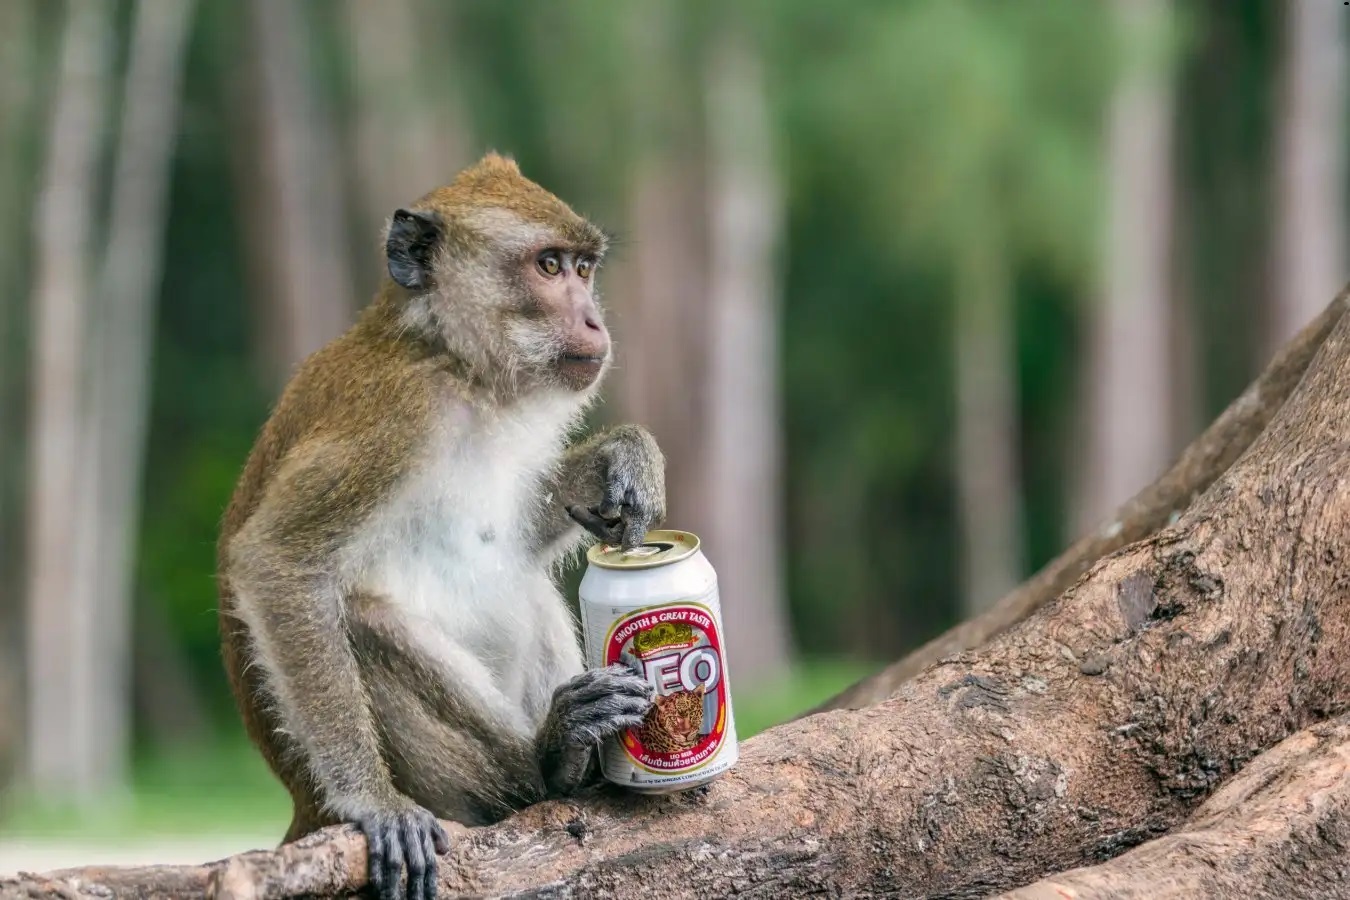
x=677 y=648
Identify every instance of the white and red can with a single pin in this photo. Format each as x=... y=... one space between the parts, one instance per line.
x=655 y=608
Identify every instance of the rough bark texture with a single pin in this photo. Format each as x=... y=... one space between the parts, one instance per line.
x=1152 y=508
x=1280 y=829
x=1103 y=721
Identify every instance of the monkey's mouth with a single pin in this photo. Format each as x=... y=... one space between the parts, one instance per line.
x=581 y=361
x=580 y=368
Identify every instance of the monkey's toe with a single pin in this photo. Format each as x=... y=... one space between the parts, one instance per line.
x=404 y=841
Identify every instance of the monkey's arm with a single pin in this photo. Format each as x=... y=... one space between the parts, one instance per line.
x=613 y=485
x=462 y=746
x=282 y=571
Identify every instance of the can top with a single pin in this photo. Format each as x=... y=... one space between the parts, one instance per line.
x=661 y=548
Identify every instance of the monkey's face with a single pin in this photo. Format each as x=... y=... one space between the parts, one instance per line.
x=561 y=335
x=503 y=272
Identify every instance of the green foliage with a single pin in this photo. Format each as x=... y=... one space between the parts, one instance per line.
x=972 y=118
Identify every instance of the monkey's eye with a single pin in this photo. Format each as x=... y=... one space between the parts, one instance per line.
x=585 y=266
x=549 y=263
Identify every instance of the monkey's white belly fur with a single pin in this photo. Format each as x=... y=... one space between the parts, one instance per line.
x=449 y=548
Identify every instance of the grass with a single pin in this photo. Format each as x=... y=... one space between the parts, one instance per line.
x=226 y=788
x=762 y=706
x=220 y=788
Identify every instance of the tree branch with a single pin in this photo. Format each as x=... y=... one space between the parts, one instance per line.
x=1280 y=829
x=1208 y=457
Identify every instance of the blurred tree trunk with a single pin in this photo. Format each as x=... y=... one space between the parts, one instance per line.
x=743 y=459
x=1129 y=415
x=988 y=476
x=121 y=344
x=18 y=57
x=291 y=193
x=409 y=128
x=661 y=276
x=66 y=755
x=1310 y=194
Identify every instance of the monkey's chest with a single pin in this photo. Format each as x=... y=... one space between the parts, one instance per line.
x=467 y=580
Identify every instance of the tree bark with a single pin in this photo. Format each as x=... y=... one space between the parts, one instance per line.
x=1105 y=719
x=1152 y=508
x=1279 y=829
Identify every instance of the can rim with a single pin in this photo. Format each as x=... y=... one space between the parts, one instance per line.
x=686 y=545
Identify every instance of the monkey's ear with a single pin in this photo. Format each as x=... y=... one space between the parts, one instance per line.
x=410 y=244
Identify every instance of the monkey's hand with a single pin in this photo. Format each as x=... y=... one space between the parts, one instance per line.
x=401 y=835
x=631 y=472
x=594 y=705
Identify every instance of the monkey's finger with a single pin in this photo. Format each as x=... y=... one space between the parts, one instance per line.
x=429 y=849
x=393 y=863
x=411 y=836
x=599 y=716
x=439 y=838
x=623 y=723
x=622 y=686
x=592 y=522
x=375 y=858
x=634 y=529
x=618 y=486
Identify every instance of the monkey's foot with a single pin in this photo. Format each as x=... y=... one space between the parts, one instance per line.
x=411 y=839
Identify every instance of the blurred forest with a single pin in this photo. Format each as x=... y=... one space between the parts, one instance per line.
x=912 y=293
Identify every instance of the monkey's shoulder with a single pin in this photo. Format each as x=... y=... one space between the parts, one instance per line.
x=345 y=429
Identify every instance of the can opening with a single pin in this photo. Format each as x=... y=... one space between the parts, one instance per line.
x=660 y=547
x=649 y=549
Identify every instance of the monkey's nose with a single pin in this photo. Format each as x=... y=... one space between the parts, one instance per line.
x=592 y=321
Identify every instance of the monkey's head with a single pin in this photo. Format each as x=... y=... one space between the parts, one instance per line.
x=502 y=273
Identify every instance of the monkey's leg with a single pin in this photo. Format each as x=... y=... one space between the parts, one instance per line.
x=462 y=750
x=612 y=484
x=452 y=740
x=294 y=612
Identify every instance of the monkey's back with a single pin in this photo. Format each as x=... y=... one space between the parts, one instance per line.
x=369 y=392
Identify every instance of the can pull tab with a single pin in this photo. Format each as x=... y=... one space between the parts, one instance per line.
x=644 y=551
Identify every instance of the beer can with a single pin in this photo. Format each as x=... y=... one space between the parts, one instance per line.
x=655 y=608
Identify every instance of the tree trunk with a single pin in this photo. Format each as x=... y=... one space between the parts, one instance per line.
x=1129 y=414
x=743 y=510
x=65 y=757
x=18 y=55
x=660 y=276
x=290 y=190
x=987 y=434
x=113 y=452
x=1310 y=230
x=404 y=88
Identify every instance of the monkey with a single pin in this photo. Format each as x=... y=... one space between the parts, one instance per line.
x=390 y=619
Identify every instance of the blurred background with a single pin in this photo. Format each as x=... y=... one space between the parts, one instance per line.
x=912 y=294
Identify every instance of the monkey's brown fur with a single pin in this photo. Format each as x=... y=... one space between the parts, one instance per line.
x=358 y=712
